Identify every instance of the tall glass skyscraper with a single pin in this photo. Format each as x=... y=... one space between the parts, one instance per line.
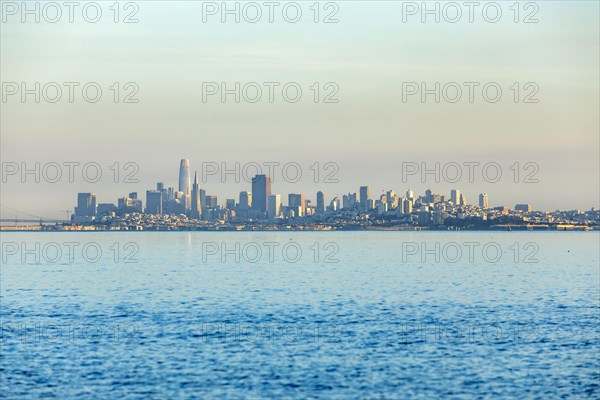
x=185 y=182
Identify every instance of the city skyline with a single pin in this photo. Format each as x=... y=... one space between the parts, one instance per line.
x=429 y=209
x=195 y=198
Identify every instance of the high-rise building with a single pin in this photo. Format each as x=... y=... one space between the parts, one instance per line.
x=185 y=184
x=261 y=189
x=365 y=194
x=196 y=207
x=428 y=196
x=130 y=204
x=273 y=206
x=106 y=209
x=455 y=196
x=86 y=205
x=408 y=205
x=203 y=199
x=211 y=201
x=245 y=201
x=321 y=202
x=483 y=200
x=297 y=201
x=154 y=203
x=230 y=204
x=410 y=194
x=462 y=200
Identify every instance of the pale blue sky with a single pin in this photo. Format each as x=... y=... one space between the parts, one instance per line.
x=369 y=53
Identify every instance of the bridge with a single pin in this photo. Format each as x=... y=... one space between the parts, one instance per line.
x=34 y=221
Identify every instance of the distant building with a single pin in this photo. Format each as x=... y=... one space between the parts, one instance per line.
x=261 y=189
x=320 y=202
x=408 y=206
x=334 y=205
x=349 y=201
x=106 y=209
x=523 y=207
x=273 y=206
x=297 y=202
x=154 y=203
x=86 y=206
x=196 y=206
x=455 y=196
x=462 y=200
x=129 y=204
x=245 y=201
x=185 y=184
x=365 y=195
x=211 y=201
x=230 y=204
x=483 y=200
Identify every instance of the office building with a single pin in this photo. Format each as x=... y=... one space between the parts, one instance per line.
x=261 y=189
x=297 y=202
x=185 y=184
x=365 y=195
x=321 y=202
x=245 y=201
x=86 y=205
x=455 y=196
x=154 y=203
x=230 y=204
x=273 y=206
x=483 y=200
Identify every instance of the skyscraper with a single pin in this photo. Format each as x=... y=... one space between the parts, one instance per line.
x=483 y=200
x=455 y=196
x=274 y=206
x=320 y=202
x=184 y=177
x=245 y=201
x=261 y=189
x=408 y=207
x=196 y=201
x=365 y=194
x=154 y=204
x=297 y=202
x=86 y=205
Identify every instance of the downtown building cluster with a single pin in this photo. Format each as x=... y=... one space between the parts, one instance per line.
x=190 y=207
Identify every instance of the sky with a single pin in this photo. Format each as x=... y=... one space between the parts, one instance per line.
x=368 y=61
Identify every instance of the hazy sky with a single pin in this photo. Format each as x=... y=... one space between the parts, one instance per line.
x=369 y=133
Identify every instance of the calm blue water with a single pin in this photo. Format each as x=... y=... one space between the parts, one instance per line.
x=300 y=315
